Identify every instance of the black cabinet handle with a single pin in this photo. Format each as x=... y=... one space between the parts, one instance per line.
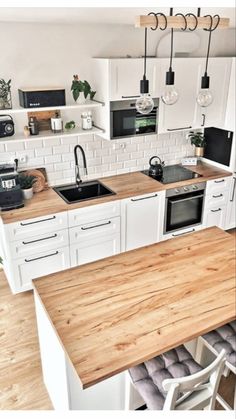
x=129 y=97
x=219 y=181
x=39 y=221
x=40 y=240
x=232 y=197
x=145 y=197
x=217 y=196
x=176 y=129
x=42 y=257
x=203 y=119
x=181 y=234
x=219 y=209
x=98 y=225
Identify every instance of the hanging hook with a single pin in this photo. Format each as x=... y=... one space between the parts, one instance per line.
x=196 y=21
x=185 y=21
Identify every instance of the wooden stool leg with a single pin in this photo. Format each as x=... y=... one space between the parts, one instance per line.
x=235 y=397
x=199 y=351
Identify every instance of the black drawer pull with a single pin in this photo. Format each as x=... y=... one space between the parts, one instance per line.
x=176 y=129
x=40 y=221
x=181 y=234
x=145 y=197
x=98 y=225
x=219 y=209
x=127 y=97
x=39 y=240
x=42 y=257
x=217 y=196
x=219 y=181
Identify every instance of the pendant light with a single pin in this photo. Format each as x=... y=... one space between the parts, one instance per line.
x=170 y=95
x=204 y=97
x=144 y=104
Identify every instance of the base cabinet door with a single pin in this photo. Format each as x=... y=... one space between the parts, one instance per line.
x=231 y=206
x=94 y=249
x=28 y=268
x=215 y=217
x=140 y=221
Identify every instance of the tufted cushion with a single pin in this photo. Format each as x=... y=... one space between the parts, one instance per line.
x=148 y=377
x=224 y=338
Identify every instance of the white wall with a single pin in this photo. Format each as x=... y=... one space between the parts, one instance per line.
x=44 y=55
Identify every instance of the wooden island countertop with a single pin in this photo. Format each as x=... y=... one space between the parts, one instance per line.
x=112 y=314
x=125 y=186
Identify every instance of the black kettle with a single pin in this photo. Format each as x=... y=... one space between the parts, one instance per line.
x=156 y=168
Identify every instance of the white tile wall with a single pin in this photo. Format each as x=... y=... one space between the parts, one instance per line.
x=104 y=158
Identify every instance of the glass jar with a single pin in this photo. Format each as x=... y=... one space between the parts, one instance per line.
x=86 y=120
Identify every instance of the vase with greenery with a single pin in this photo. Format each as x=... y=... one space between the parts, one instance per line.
x=5 y=94
x=26 y=184
x=198 y=140
x=78 y=86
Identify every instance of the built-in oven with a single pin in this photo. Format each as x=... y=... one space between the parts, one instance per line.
x=184 y=207
x=126 y=121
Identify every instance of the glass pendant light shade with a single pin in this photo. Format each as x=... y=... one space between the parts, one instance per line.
x=205 y=97
x=170 y=95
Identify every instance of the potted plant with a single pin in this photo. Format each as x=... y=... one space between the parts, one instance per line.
x=198 y=140
x=78 y=86
x=26 y=184
x=5 y=94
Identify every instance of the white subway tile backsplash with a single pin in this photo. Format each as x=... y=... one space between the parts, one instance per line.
x=47 y=151
x=52 y=159
x=104 y=158
x=15 y=146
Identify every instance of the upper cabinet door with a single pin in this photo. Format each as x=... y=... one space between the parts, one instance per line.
x=219 y=72
x=125 y=76
x=181 y=115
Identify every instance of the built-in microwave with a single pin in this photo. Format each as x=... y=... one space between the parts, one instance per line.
x=126 y=121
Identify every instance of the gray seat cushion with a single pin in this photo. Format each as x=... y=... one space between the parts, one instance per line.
x=224 y=338
x=148 y=376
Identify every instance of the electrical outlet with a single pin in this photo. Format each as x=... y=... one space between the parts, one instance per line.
x=22 y=159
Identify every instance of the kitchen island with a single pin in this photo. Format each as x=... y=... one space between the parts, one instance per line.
x=97 y=320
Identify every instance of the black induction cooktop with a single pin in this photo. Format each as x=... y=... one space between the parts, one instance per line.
x=174 y=173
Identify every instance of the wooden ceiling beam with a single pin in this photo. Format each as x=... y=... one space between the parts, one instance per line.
x=177 y=22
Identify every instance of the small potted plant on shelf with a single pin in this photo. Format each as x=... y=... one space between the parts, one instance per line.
x=5 y=94
x=198 y=140
x=26 y=184
x=78 y=86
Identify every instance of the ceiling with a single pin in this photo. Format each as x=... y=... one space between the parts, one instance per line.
x=102 y=15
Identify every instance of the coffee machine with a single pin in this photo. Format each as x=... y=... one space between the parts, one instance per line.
x=11 y=196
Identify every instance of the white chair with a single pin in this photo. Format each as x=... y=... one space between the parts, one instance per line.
x=221 y=338
x=190 y=388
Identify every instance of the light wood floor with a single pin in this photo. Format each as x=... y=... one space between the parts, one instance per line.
x=21 y=384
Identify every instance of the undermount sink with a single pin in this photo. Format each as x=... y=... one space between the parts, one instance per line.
x=83 y=192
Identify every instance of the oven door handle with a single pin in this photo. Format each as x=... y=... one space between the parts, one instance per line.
x=185 y=199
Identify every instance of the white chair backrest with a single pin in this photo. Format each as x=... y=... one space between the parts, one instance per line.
x=197 y=390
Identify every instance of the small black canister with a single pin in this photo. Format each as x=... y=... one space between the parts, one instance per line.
x=33 y=125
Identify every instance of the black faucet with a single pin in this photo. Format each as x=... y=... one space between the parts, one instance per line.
x=78 y=179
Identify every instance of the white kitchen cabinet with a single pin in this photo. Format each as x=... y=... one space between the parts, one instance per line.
x=215 y=217
x=180 y=115
x=23 y=270
x=219 y=69
x=125 y=75
x=215 y=205
x=93 y=241
x=231 y=205
x=140 y=221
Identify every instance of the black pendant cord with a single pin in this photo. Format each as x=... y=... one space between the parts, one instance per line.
x=171 y=47
x=208 y=51
x=145 y=54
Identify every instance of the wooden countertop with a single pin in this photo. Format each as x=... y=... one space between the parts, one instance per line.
x=117 y=312
x=125 y=186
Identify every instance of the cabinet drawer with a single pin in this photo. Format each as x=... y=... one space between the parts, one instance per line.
x=34 y=226
x=181 y=232
x=95 y=249
x=218 y=185
x=95 y=213
x=95 y=229
x=217 y=198
x=215 y=216
x=44 y=263
x=40 y=243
